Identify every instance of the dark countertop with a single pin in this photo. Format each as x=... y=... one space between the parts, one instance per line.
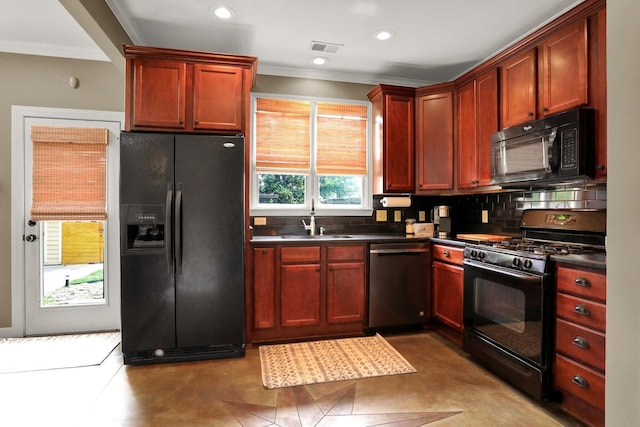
x=339 y=238
x=598 y=260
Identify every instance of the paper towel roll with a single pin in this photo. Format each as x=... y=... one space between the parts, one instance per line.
x=396 y=202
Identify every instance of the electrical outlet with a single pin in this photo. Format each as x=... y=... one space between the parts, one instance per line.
x=397 y=216
x=259 y=220
x=381 y=215
x=421 y=216
x=485 y=216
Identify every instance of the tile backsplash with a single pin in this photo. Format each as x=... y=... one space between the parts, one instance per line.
x=504 y=212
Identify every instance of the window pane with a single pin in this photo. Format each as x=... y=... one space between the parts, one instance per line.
x=340 y=190
x=281 y=189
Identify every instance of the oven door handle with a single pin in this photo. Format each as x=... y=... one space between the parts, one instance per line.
x=494 y=269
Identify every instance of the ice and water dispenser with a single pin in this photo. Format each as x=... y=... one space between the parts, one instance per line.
x=142 y=228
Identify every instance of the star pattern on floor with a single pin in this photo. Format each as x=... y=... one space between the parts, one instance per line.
x=296 y=407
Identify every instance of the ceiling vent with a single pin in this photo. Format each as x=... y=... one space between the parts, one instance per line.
x=325 y=47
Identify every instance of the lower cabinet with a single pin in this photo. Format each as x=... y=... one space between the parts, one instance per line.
x=579 y=369
x=306 y=292
x=447 y=285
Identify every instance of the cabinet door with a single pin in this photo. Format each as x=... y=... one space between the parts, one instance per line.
x=486 y=124
x=447 y=294
x=217 y=98
x=518 y=86
x=563 y=69
x=435 y=142
x=466 y=135
x=263 y=288
x=345 y=292
x=399 y=150
x=159 y=88
x=300 y=295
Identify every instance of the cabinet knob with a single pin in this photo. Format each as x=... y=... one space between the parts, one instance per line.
x=196 y=121
x=530 y=113
x=581 y=342
x=581 y=309
x=544 y=109
x=600 y=167
x=580 y=381
x=582 y=282
x=181 y=121
x=446 y=253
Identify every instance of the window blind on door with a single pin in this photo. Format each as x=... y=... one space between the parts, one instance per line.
x=69 y=173
x=341 y=139
x=283 y=140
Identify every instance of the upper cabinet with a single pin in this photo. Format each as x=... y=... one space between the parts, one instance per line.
x=546 y=79
x=476 y=120
x=174 y=90
x=393 y=139
x=434 y=140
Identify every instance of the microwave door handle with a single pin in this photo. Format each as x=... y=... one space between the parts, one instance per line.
x=554 y=151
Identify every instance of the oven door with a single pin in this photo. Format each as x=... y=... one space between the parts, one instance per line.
x=508 y=308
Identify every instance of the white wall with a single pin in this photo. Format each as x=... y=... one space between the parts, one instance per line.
x=623 y=228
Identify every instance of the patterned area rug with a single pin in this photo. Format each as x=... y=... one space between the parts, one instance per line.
x=55 y=352
x=287 y=365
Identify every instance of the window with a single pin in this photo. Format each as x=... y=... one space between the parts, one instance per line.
x=310 y=149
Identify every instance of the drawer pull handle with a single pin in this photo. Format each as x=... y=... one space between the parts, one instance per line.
x=581 y=342
x=446 y=253
x=582 y=282
x=581 y=309
x=580 y=381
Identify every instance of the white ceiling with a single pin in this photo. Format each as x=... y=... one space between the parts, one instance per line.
x=435 y=40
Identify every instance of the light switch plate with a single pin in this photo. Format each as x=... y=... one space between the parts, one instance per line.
x=381 y=215
x=397 y=216
x=259 y=220
x=485 y=216
x=421 y=216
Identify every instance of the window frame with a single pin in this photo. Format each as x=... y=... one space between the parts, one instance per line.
x=312 y=180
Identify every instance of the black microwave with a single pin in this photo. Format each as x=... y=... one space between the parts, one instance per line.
x=556 y=149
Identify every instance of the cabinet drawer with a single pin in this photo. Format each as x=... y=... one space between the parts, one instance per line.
x=345 y=253
x=297 y=254
x=447 y=254
x=580 y=381
x=585 y=345
x=586 y=283
x=582 y=311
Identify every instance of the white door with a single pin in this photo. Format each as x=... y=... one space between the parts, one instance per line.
x=71 y=268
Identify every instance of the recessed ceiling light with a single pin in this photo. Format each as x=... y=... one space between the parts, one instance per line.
x=222 y=12
x=319 y=60
x=383 y=34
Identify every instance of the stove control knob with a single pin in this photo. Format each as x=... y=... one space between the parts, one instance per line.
x=481 y=254
x=474 y=253
x=517 y=262
x=528 y=263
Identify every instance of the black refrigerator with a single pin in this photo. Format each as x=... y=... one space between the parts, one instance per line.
x=182 y=247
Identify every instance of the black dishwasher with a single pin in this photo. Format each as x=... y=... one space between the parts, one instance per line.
x=398 y=285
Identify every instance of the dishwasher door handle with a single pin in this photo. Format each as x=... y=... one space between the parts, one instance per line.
x=398 y=251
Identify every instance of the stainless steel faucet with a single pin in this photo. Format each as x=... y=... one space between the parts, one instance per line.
x=312 y=221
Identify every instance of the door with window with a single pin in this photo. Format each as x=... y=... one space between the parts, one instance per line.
x=70 y=226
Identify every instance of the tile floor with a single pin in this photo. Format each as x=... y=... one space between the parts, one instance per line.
x=448 y=390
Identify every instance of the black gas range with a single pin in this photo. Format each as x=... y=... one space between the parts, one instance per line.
x=509 y=294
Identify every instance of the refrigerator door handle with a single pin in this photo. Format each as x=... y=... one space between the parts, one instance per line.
x=178 y=228
x=168 y=234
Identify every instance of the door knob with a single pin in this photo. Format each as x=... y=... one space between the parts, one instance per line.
x=30 y=238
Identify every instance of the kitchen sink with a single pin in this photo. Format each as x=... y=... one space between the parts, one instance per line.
x=326 y=236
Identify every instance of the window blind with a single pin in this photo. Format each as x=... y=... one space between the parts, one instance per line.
x=283 y=140
x=341 y=139
x=69 y=173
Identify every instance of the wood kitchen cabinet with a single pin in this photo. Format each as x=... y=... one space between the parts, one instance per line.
x=447 y=285
x=187 y=91
x=393 y=110
x=476 y=120
x=434 y=139
x=579 y=369
x=547 y=79
x=306 y=291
